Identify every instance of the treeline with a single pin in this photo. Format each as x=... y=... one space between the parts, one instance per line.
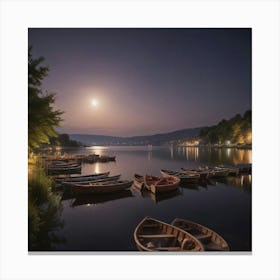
x=42 y=117
x=235 y=131
x=64 y=141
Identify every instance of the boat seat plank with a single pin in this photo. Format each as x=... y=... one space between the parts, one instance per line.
x=203 y=237
x=156 y=235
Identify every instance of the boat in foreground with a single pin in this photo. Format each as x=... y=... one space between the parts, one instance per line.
x=160 y=184
x=210 y=240
x=153 y=235
x=101 y=187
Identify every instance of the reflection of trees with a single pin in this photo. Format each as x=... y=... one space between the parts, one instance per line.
x=242 y=181
x=212 y=155
x=242 y=156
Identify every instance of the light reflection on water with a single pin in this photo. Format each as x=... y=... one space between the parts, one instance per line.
x=224 y=205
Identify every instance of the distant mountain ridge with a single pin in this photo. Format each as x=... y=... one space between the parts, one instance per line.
x=156 y=139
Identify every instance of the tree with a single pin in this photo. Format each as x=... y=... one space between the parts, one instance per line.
x=42 y=117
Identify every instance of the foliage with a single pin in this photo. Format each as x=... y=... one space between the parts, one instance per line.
x=237 y=130
x=44 y=211
x=64 y=141
x=42 y=117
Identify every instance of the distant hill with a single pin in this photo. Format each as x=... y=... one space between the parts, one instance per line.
x=156 y=139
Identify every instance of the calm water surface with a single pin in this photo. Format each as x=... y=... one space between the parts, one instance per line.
x=107 y=223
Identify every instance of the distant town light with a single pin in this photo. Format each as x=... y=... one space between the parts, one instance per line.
x=228 y=142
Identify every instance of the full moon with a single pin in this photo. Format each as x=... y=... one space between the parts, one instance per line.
x=94 y=103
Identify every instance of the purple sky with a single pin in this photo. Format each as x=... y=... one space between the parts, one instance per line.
x=146 y=81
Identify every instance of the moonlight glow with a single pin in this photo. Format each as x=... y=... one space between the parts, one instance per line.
x=94 y=103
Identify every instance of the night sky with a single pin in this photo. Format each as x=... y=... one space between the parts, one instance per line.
x=145 y=81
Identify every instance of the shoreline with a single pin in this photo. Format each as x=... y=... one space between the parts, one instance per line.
x=247 y=147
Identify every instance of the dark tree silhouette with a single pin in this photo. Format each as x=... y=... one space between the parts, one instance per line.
x=42 y=117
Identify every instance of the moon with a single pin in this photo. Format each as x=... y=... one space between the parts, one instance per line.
x=95 y=103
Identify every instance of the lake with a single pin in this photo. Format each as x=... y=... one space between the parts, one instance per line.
x=107 y=223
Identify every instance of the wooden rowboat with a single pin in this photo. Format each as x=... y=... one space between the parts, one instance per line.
x=203 y=173
x=138 y=181
x=64 y=170
x=159 y=184
x=101 y=187
x=184 y=177
x=153 y=235
x=210 y=240
x=83 y=177
x=232 y=170
x=218 y=172
x=64 y=166
x=93 y=180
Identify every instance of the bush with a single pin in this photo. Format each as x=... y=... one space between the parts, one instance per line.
x=44 y=209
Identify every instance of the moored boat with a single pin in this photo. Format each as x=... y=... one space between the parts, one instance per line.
x=64 y=170
x=153 y=235
x=93 y=180
x=161 y=184
x=101 y=187
x=210 y=240
x=83 y=177
x=62 y=166
x=203 y=173
x=184 y=177
x=138 y=181
x=106 y=158
x=232 y=170
x=208 y=172
x=218 y=172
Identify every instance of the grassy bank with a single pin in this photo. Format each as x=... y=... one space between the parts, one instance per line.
x=44 y=208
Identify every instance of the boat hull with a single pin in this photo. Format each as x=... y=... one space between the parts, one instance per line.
x=160 y=185
x=138 y=182
x=83 y=177
x=101 y=188
x=184 y=178
x=156 y=236
x=210 y=240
